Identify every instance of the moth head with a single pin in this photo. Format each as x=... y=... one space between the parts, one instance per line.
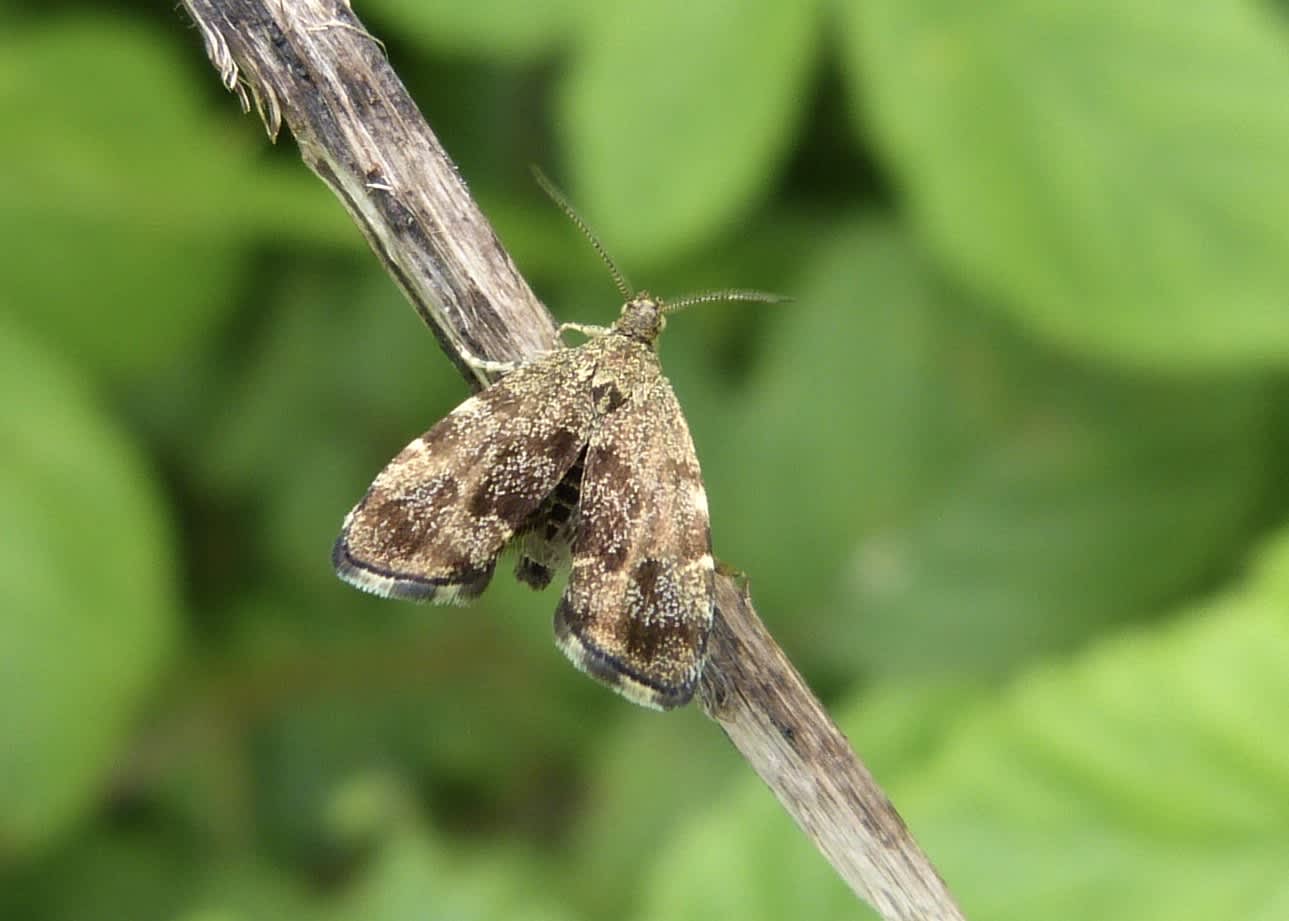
x=643 y=318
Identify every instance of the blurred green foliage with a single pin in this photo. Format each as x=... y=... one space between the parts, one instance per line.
x=1006 y=477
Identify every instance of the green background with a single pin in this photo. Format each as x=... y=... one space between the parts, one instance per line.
x=1007 y=476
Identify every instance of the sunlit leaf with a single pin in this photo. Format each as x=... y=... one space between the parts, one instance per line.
x=89 y=614
x=922 y=488
x=125 y=199
x=674 y=115
x=1112 y=171
x=511 y=28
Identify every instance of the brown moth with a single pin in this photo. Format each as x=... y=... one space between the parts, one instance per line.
x=580 y=457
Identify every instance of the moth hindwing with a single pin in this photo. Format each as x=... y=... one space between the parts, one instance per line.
x=584 y=454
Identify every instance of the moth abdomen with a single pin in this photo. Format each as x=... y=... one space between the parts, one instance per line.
x=543 y=543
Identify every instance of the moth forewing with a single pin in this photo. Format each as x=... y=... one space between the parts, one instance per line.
x=638 y=606
x=433 y=522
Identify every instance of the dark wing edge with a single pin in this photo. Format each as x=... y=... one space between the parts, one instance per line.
x=636 y=685
x=637 y=611
x=433 y=522
x=461 y=587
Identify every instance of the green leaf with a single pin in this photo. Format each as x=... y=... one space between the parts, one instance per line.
x=943 y=494
x=841 y=417
x=137 y=874
x=247 y=889
x=1145 y=780
x=126 y=876
x=89 y=615
x=504 y=28
x=125 y=202
x=1113 y=171
x=648 y=776
x=675 y=114
x=412 y=877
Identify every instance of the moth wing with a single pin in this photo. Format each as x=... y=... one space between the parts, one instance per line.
x=637 y=610
x=435 y=519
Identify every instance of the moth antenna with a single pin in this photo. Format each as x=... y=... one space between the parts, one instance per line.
x=729 y=294
x=624 y=286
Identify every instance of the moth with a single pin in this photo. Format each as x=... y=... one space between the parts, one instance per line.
x=581 y=458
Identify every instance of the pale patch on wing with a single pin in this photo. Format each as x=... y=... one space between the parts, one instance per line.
x=698 y=496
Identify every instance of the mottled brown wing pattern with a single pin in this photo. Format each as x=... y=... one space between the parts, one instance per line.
x=435 y=519
x=638 y=606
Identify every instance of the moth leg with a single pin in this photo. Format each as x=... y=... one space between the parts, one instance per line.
x=591 y=332
x=730 y=571
x=489 y=366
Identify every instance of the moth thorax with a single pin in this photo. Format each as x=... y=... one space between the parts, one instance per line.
x=642 y=318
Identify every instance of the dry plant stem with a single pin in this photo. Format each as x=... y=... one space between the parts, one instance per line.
x=765 y=708
x=311 y=64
